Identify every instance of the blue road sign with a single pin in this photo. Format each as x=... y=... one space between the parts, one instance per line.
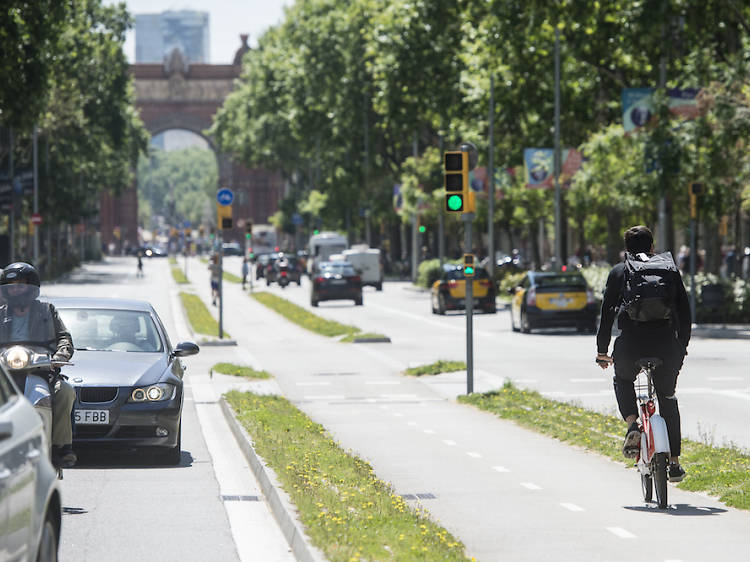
x=225 y=196
x=297 y=219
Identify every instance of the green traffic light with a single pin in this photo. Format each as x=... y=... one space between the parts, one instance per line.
x=247 y=236
x=316 y=231
x=455 y=202
x=468 y=270
x=422 y=229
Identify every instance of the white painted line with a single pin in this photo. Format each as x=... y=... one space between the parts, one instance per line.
x=530 y=486
x=572 y=507
x=596 y=379
x=449 y=442
x=474 y=455
x=313 y=384
x=398 y=396
x=500 y=469
x=326 y=397
x=382 y=382
x=726 y=379
x=429 y=431
x=620 y=532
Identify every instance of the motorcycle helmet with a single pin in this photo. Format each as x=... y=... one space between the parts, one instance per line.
x=19 y=284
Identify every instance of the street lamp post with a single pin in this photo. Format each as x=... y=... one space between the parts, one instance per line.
x=558 y=211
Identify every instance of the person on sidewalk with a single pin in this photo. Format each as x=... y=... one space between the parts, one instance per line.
x=245 y=271
x=214 y=267
x=666 y=338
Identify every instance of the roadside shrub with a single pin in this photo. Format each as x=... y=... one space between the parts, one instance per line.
x=428 y=272
x=596 y=277
x=510 y=282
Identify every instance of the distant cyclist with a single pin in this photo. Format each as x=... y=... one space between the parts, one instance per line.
x=648 y=297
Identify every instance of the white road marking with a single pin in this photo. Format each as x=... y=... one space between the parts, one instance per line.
x=398 y=396
x=500 y=469
x=449 y=442
x=572 y=507
x=382 y=382
x=325 y=397
x=530 y=486
x=474 y=455
x=429 y=431
x=313 y=384
x=620 y=532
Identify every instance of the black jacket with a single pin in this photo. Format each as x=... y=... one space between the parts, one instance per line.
x=46 y=329
x=679 y=326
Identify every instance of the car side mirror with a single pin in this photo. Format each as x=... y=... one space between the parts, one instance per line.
x=185 y=348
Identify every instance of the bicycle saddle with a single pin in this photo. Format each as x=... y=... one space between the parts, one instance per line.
x=649 y=362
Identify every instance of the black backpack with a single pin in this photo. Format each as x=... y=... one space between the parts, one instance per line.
x=649 y=291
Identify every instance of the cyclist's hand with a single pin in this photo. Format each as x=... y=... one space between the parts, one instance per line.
x=603 y=360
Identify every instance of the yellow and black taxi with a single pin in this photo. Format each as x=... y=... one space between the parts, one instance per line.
x=553 y=300
x=449 y=292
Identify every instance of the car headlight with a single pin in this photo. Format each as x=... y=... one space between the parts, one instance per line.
x=153 y=393
x=17 y=357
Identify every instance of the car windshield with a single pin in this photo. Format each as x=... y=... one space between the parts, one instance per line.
x=337 y=268
x=560 y=280
x=95 y=329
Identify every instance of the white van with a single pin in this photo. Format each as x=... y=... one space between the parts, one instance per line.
x=322 y=246
x=366 y=262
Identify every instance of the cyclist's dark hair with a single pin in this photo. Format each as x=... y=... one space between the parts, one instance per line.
x=638 y=239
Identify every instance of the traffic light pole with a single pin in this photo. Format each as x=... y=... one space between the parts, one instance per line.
x=468 y=219
x=220 y=251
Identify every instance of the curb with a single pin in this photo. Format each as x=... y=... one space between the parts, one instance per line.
x=372 y=340
x=217 y=343
x=281 y=507
x=720 y=333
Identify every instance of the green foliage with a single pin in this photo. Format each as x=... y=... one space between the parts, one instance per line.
x=179 y=276
x=304 y=318
x=348 y=512
x=199 y=316
x=596 y=277
x=720 y=471
x=179 y=185
x=436 y=368
x=510 y=282
x=240 y=371
x=428 y=272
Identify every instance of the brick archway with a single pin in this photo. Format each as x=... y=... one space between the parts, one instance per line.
x=178 y=95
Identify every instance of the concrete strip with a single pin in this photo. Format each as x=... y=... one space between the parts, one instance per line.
x=281 y=506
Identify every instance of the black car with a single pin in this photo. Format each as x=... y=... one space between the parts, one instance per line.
x=336 y=281
x=126 y=374
x=231 y=249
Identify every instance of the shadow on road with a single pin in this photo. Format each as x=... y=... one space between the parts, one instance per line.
x=131 y=458
x=678 y=509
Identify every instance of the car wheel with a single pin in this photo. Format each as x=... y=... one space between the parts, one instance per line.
x=525 y=324
x=379 y=287
x=358 y=302
x=313 y=302
x=48 y=542
x=268 y=282
x=441 y=304
x=491 y=309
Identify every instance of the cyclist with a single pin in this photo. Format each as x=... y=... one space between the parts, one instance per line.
x=25 y=319
x=666 y=339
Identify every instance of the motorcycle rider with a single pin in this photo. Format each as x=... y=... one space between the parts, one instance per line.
x=26 y=320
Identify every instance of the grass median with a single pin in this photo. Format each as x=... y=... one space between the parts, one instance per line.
x=719 y=471
x=439 y=366
x=311 y=321
x=231 y=277
x=179 y=276
x=240 y=371
x=348 y=512
x=199 y=316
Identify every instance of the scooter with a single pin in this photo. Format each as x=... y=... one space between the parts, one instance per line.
x=283 y=278
x=29 y=369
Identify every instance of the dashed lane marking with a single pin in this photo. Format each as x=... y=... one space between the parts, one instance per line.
x=500 y=469
x=474 y=455
x=429 y=431
x=572 y=507
x=382 y=382
x=325 y=397
x=530 y=486
x=620 y=532
x=449 y=442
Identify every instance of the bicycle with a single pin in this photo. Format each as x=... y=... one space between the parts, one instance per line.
x=654 y=454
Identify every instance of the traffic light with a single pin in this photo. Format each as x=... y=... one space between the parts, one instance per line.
x=458 y=195
x=696 y=189
x=248 y=230
x=469 y=267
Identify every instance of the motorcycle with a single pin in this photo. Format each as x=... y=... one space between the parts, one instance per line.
x=29 y=369
x=283 y=278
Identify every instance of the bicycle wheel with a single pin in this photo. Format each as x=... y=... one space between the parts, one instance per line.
x=647 y=486
x=659 y=464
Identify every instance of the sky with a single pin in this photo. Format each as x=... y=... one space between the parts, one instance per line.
x=228 y=18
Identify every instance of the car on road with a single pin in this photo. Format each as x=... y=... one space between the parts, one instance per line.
x=336 y=281
x=231 y=249
x=449 y=291
x=127 y=376
x=291 y=270
x=553 y=300
x=30 y=505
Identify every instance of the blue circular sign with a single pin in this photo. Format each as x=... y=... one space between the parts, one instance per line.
x=225 y=196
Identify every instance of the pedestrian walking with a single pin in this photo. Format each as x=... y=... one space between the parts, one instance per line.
x=139 y=273
x=214 y=267
x=245 y=271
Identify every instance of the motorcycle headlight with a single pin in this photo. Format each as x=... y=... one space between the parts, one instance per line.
x=17 y=358
x=153 y=393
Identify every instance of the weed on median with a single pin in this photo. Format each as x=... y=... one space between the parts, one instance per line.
x=308 y=320
x=439 y=366
x=240 y=371
x=231 y=277
x=199 y=316
x=349 y=513
x=179 y=276
x=719 y=471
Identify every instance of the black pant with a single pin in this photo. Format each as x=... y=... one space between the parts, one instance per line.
x=646 y=343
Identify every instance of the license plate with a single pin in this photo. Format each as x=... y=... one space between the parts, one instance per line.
x=338 y=282
x=89 y=417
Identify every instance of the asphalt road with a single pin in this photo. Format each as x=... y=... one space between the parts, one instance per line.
x=209 y=507
x=713 y=388
x=508 y=493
